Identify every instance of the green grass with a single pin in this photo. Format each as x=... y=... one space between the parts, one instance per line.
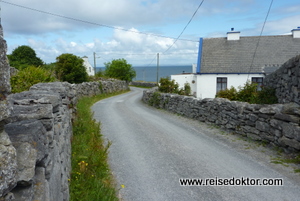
x=290 y=160
x=279 y=162
x=91 y=178
x=143 y=87
x=297 y=170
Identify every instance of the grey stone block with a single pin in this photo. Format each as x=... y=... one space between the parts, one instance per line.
x=289 y=142
x=31 y=132
x=8 y=167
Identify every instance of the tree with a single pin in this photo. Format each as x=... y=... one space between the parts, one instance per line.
x=70 y=68
x=24 y=56
x=119 y=69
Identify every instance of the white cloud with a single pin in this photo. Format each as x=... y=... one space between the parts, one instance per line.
x=113 y=13
x=51 y=35
x=73 y=44
x=130 y=13
x=283 y=25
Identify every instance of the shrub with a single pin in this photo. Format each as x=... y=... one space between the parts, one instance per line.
x=267 y=95
x=249 y=93
x=187 y=89
x=100 y=73
x=230 y=94
x=29 y=76
x=155 y=99
x=168 y=86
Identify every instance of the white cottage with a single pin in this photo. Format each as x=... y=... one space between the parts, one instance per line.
x=89 y=69
x=232 y=60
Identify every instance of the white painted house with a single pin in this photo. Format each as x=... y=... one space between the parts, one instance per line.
x=89 y=69
x=232 y=60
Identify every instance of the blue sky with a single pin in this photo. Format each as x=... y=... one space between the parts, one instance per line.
x=51 y=36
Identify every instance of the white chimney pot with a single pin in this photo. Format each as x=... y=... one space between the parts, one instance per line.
x=233 y=35
x=296 y=32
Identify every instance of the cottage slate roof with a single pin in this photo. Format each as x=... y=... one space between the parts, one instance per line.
x=220 y=55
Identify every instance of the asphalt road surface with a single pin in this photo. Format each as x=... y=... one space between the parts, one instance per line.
x=153 y=149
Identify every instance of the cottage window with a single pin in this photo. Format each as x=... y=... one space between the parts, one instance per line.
x=259 y=81
x=221 y=83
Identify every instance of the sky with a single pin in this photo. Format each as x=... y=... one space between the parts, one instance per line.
x=137 y=30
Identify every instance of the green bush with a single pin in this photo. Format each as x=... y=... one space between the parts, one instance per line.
x=100 y=73
x=49 y=67
x=29 y=76
x=155 y=99
x=168 y=86
x=187 y=89
x=228 y=93
x=249 y=93
x=267 y=95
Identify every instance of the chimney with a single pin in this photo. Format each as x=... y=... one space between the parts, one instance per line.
x=296 y=32
x=233 y=35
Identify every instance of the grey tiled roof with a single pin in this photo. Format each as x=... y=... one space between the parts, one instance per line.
x=222 y=56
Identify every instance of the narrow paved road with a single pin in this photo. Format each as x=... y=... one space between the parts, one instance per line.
x=152 y=149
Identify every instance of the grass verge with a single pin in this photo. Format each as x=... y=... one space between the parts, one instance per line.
x=143 y=87
x=293 y=159
x=91 y=178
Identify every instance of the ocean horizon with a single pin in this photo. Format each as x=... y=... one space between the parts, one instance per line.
x=149 y=73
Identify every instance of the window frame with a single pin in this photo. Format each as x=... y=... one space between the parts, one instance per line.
x=222 y=83
x=259 y=83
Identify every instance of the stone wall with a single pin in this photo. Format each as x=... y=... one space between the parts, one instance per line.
x=277 y=124
x=35 y=146
x=286 y=81
x=143 y=84
x=104 y=86
x=7 y=151
x=4 y=70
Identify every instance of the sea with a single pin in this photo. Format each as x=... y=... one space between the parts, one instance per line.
x=149 y=73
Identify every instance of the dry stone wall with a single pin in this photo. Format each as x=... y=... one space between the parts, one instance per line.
x=8 y=165
x=4 y=70
x=35 y=145
x=286 y=81
x=277 y=124
x=143 y=84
